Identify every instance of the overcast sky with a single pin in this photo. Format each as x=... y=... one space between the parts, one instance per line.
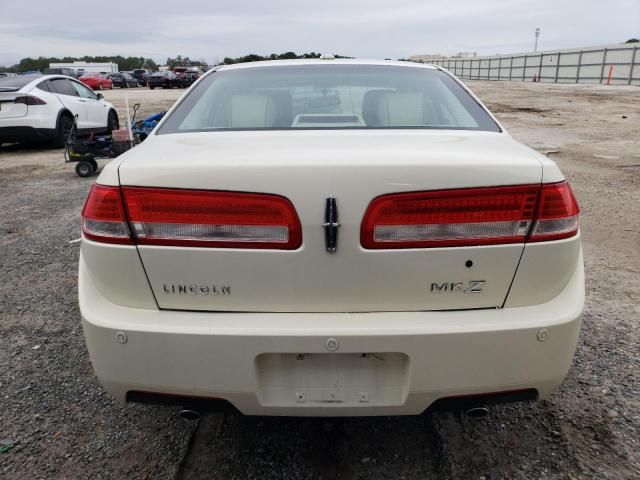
x=214 y=29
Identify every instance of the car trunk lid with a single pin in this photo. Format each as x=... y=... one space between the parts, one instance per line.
x=8 y=109
x=353 y=167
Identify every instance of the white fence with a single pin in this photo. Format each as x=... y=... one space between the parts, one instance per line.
x=587 y=65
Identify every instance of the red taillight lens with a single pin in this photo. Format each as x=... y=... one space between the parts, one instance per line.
x=446 y=218
x=29 y=100
x=558 y=213
x=197 y=218
x=466 y=217
x=212 y=219
x=103 y=217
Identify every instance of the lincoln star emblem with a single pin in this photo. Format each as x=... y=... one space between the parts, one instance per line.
x=331 y=224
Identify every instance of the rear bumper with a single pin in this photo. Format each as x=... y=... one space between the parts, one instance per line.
x=253 y=360
x=25 y=134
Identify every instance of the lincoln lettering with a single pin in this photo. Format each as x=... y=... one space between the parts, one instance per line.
x=191 y=289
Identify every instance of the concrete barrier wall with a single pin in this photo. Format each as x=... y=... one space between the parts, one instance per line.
x=586 y=65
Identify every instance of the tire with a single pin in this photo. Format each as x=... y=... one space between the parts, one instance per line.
x=66 y=128
x=113 y=123
x=152 y=88
x=85 y=169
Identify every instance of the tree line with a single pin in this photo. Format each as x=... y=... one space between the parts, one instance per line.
x=181 y=61
x=131 y=63
x=274 y=56
x=124 y=63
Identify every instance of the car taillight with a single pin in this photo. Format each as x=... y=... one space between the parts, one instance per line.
x=29 y=100
x=473 y=216
x=200 y=218
x=558 y=213
x=103 y=216
x=211 y=219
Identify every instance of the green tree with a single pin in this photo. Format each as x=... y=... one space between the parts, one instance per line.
x=179 y=61
x=287 y=56
x=149 y=64
x=252 y=57
x=124 y=63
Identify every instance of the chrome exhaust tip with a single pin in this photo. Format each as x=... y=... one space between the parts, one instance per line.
x=188 y=414
x=477 y=412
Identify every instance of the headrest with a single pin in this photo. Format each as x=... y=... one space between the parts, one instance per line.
x=252 y=111
x=401 y=109
x=283 y=103
x=370 y=106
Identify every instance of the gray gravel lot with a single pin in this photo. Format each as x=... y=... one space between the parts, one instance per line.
x=61 y=424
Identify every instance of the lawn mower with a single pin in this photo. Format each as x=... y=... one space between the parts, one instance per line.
x=87 y=151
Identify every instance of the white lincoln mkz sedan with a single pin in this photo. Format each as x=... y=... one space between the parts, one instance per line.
x=331 y=237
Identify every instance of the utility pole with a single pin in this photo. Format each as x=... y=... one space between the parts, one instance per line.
x=535 y=45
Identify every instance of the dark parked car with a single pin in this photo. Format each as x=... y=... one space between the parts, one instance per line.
x=189 y=77
x=164 y=80
x=69 y=72
x=141 y=75
x=123 y=80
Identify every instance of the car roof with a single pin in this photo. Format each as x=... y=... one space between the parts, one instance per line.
x=26 y=82
x=318 y=61
x=18 y=82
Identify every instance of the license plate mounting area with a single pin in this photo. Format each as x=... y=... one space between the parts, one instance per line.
x=332 y=379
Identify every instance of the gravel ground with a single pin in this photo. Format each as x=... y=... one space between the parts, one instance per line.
x=61 y=424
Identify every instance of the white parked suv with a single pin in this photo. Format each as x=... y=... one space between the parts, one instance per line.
x=331 y=237
x=36 y=108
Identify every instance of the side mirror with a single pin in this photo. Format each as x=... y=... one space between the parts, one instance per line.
x=100 y=96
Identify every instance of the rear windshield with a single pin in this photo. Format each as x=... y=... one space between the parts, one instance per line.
x=327 y=97
x=16 y=83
